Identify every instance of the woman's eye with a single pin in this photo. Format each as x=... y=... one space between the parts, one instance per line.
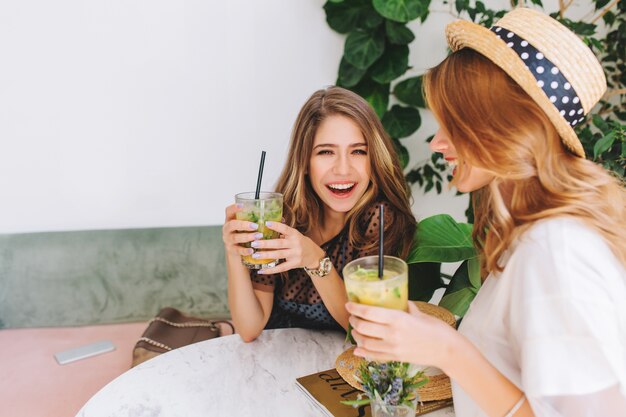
x=360 y=152
x=325 y=152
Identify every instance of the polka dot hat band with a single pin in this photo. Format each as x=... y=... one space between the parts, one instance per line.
x=553 y=65
x=548 y=76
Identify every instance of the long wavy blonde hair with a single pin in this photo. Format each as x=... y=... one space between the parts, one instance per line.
x=496 y=126
x=303 y=209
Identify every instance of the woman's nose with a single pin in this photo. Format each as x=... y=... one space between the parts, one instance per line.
x=439 y=143
x=342 y=165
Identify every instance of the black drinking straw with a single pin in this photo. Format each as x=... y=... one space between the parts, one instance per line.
x=381 y=257
x=258 y=180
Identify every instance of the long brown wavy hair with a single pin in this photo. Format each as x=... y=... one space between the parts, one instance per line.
x=496 y=126
x=303 y=209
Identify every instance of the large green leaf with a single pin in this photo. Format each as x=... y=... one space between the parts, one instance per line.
x=349 y=75
x=347 y=16
x=401 y=122
x=398 y=33
x=410 y=92
x=399 y=10
x=462 y=288
x=362 y=48
x=393 y=63
x=440 y=238
x=458 y=302
x=377 y=95
x=424 y=280
x=403 y=153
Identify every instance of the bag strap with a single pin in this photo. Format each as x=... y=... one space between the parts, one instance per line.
x=209 y=324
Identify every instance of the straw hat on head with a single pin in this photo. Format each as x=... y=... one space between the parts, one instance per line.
x=553 y=65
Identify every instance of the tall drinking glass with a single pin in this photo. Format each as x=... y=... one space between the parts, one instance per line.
x=268 y=207
x=365 y=287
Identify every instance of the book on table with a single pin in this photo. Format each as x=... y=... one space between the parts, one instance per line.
x=327 y=389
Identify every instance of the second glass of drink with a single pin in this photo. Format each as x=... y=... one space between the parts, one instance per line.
x=365 y=287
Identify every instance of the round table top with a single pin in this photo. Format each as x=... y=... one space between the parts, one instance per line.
x=226 y=377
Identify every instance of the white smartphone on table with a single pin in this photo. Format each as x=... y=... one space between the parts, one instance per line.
x=83 y=352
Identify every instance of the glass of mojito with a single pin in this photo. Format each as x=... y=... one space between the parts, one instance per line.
x=365 y=287
x=268 y=207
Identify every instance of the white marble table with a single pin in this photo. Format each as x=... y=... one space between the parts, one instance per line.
x=225 y=377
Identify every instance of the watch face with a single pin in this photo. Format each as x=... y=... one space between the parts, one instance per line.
x=322 y=270
x=325 y=266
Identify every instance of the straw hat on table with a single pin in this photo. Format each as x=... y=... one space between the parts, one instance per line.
x=555 y=67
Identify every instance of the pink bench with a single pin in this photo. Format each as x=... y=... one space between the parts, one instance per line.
x=33 y=384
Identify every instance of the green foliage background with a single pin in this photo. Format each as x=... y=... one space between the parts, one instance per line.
x=376 y=56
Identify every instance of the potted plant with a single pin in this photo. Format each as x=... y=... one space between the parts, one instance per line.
x=390 y=388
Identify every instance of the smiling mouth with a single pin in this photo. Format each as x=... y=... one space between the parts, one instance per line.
x=341 y=189
x=452 y=164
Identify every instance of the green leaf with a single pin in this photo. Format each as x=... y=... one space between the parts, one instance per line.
x=462 y=288
x=362 y=49
x=346 y=16
x=580 y=28
x=399 y=10
x=398 y=33
x=461 y=5
x=410 y=92
x=403 y=153
x=377 y=95
x=393 y=63
x=596 y=43
x=458 y=302
x=424 y=280
x=600 y=123
x=401 y=122
x=603 y=145
x=349 y=75
x=609 y=18
x=440 y=238
x=601 y=3
x=473 y=268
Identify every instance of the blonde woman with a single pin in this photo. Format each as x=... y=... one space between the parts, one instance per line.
x=341 y=165
x=546 y=333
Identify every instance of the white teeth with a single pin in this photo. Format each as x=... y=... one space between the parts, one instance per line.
x=341 y=186
x=451 y=163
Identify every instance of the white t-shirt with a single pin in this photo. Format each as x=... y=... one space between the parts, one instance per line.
x=554 y=323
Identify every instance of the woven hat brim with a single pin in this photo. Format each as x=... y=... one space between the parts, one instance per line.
x=463 y=34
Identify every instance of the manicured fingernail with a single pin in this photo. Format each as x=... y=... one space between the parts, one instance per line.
x=255 y=244
x=254 y=226
x=260 y=271
x=269 y=224
x=249 y=251
x=357 y=352
x=256 y=255
x=239 y=205
x=258 y=236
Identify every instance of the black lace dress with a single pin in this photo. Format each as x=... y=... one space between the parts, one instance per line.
x=296 y=301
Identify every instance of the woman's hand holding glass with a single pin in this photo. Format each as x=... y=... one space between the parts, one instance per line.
x=235 y=232
x=384 y=334
x=296 y=249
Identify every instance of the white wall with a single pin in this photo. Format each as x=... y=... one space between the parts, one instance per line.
x=129 y=113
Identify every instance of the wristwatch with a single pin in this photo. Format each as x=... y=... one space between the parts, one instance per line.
x=322 y=270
